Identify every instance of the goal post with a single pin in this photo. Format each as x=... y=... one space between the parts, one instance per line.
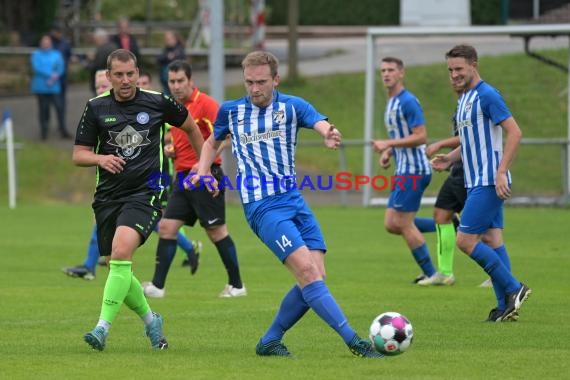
x=377 y=33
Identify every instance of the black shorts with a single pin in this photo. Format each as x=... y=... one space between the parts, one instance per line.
x=452 y=194
x=192 y=205
x=141 y=213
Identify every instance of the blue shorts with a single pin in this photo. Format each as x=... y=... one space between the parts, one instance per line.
x=407 y=196
x=284 y=223
x=483 y=210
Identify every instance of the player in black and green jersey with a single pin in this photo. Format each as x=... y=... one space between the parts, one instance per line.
x=121 y=133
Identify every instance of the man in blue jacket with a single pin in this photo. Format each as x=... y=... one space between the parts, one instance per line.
x=47 y=68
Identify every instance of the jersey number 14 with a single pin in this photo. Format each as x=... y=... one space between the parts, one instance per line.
x=284 y=243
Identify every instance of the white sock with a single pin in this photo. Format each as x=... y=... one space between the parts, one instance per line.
x=106 y=325
x=148 y=318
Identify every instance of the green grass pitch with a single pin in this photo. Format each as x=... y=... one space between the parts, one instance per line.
x=44 y=314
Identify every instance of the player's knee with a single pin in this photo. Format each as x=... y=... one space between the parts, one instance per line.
x=121 y=252
x=465 y=243
x=392 y=228
x=308 y=273
x=217 y=233
x=443 y=216
x=167 y=229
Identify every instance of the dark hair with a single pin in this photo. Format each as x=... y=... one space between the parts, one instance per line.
x=181 y=65
x=57 y=27
x=145 y=74
x=395 y=60
x=121 y=55
x=467 y=52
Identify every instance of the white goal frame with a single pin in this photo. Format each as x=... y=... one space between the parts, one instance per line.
x=375 y=33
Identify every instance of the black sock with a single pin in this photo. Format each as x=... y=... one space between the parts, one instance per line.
x=228 y=254
x=165 y=252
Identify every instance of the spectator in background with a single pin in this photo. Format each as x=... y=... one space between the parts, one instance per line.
x=124 y=39
x=145 y=80
x=173 y=50
x=98 y=59
x=47 y=68
x=63 y=45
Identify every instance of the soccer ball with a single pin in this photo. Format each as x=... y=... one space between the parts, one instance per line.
x=391 y=333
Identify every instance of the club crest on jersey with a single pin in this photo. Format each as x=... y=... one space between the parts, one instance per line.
x=468 y=107
x=279 y=116
x=142 y=118
x=128 y=142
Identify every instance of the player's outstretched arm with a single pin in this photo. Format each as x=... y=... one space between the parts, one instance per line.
x=84 y=156
x=331 y=135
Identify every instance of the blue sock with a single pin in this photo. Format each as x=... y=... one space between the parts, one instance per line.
x=184 y=243
x=92 y=251
x=499 y=292
x=292 y=308
x=317 y=295
x=425 y=224
x=489 y=260
x=504 y=256
x=421 y=255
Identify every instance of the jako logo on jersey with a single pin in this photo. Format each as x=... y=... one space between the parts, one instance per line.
x=110 y=120
x=249 y=139
x=142 y=118
x=128 y=140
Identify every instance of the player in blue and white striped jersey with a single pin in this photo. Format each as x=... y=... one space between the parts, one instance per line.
x=481 y=116
x=405 y=122
x=264 y=127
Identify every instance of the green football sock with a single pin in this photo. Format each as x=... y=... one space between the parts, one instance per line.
x=445 y=248
x=135 y=299
x=116 y=289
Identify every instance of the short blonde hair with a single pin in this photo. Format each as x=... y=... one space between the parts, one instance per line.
x=260 y=58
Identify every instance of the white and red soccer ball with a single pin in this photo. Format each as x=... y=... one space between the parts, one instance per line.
x=391 y=333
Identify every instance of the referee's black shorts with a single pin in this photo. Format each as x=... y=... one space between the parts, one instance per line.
x=452 y=194
x=192 y=205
